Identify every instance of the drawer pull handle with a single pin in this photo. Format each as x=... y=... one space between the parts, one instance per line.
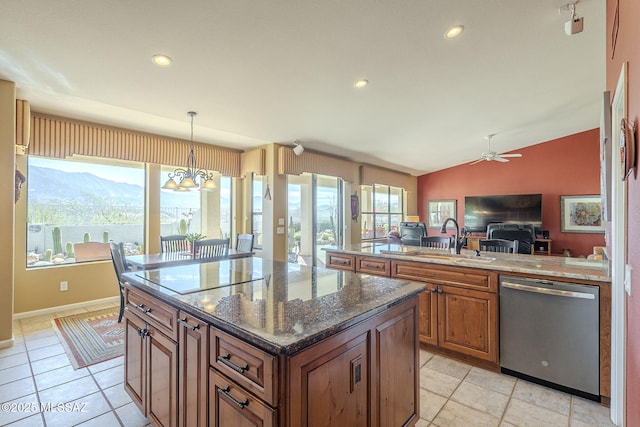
x=188 y=325
x=433 y=290
x=225 y=393
x=440 y=291
x=143 y=332
x=376 y=266
x=226 y=359
x=142 y=309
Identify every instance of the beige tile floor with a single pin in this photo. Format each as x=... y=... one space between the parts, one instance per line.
x=36 y=373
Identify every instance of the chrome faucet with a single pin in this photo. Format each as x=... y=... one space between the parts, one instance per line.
x=458 y=241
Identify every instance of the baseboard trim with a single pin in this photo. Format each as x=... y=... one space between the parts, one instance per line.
x=84 y=304
x=6 y=343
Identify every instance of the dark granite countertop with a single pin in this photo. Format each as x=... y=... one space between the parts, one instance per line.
x=555 y=266
x=277 y=306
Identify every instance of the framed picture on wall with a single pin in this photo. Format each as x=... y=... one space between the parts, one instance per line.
x=581 y=214
x=438 y=211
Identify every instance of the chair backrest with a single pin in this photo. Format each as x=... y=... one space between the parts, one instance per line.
x=525 y=234
x=244 y=242
x=91 y=251
x=211 y=248
x=499 y=245
x=173 y=243
x=118 y=258
x=436 y=242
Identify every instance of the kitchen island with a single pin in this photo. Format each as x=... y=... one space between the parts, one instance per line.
x=460 y=313
x=260 y=342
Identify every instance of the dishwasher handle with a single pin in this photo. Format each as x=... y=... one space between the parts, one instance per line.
x=540 y=290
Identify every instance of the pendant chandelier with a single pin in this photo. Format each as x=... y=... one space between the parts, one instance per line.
x=188 y=176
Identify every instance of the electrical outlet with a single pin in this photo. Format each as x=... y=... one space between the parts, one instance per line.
x=64 y=286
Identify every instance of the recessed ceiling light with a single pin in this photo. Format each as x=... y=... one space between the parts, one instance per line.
x=454 y=32
x=359 y=84
x=161 y=60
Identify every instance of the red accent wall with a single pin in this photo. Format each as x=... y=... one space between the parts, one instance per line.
x=562 y=167
x=627 y=49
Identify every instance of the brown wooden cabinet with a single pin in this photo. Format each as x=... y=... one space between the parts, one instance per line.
x=373 y=265
x=231 y=405
x=341 y=261
x=193 y=348
x=151 y=371
x=459 y=309
x=367 y=375
x=330 y=383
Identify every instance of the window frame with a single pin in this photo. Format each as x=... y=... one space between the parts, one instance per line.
x=374 y=214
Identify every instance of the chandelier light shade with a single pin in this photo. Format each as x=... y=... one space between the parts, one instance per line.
x=190 y=175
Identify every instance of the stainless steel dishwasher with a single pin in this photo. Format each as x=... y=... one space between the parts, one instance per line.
x=549 y=334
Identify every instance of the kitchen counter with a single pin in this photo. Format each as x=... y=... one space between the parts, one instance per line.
x=259 y=342
x=572 y=268
x=279 y=307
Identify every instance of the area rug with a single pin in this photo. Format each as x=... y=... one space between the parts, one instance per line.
x=91 y=338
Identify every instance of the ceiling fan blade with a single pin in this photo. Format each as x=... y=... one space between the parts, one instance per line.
x=511 y=155
x=477 y=161
x=500 y=159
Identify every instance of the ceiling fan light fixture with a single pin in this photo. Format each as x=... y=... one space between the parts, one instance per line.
x=453 y=32
x=161 y=60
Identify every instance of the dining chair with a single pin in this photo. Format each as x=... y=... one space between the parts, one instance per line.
x=91 y=251
x=210 y=248
x=173 y=243
x=436 y=242
x=244 y=242
x=120 y=266
x=498 y=245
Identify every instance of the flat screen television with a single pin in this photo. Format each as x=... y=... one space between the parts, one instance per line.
x=479 y=211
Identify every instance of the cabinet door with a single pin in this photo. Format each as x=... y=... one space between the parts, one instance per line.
x=193 y=363
x=428 y=303
x=396 y=350
x=134 y=355
x=330 y=382
x=231 y=405
x=162 y=379
x=467 y=322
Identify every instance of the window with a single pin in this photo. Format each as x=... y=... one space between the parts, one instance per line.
x=204 y=212
x=381 y=207
x=256 y=209
x=71 y=202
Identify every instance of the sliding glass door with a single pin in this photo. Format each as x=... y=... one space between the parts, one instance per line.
x=315 y=217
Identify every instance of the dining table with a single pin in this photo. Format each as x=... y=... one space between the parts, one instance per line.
x=170 y=259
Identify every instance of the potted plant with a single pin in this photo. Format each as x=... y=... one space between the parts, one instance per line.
x=192 y=237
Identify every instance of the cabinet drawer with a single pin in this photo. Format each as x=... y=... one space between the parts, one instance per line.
x=378 y=266
x=152 y=311
x=341 y=261
x=250 y=367
x=445 y=275
x=231 y=405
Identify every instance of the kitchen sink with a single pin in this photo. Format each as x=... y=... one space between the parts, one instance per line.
x=457 y=258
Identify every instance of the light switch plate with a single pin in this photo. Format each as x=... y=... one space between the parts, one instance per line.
x=280 y=230
x=280 y=221
x=627 y=278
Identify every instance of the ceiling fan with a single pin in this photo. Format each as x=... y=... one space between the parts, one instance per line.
x=492 y=155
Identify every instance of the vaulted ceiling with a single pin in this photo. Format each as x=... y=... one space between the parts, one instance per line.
x=259 y=72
